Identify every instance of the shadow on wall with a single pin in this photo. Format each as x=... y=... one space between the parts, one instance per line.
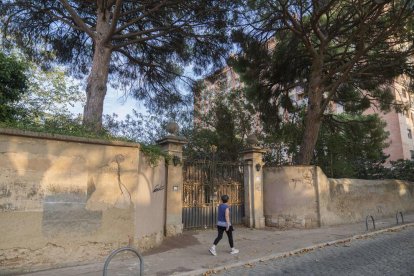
x=150 y=203
x=290 y=197
x=68 y=192
x=354 y=199
x=302 y=196
x=64 y=213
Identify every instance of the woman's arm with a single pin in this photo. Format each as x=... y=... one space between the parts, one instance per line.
x=227 y=215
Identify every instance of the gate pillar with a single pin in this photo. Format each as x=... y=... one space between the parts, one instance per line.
x=173 y=145
x=253 y=186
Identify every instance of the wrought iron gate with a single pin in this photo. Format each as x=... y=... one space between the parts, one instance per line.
x=204 y=183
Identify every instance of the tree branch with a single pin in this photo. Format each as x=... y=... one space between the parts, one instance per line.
x=115 y=17
x=297 y=29
x=133 y=59
x=64 y=20
x=133 y=41
x=144 y=14
x=78 y=20
x=135 y=34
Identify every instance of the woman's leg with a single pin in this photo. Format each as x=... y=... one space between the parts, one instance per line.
x=220 y=230
x=230 y=236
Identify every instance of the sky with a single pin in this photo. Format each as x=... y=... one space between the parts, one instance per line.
x=115 y=102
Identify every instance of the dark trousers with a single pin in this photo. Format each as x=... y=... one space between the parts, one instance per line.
x=229 y=233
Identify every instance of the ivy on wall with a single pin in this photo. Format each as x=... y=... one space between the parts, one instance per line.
x=154 y=154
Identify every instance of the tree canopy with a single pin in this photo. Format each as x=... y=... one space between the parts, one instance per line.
x=142 y=45
x=344 y=51
x=13 y=84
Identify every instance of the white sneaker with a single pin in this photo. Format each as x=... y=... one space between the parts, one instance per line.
x=234 y=251
x=213 y=251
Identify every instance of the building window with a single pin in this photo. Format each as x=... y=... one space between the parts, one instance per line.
x=410 y=135
x=412 y=154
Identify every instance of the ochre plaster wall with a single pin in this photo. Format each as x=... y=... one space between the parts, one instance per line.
x=302 y=196
x=354 y=199
x=290 y=196
x=66 y=200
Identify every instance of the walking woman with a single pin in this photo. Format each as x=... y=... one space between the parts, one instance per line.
x=224 y=224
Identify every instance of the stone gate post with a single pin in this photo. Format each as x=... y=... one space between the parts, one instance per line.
x=253 y=184
x=173 y=145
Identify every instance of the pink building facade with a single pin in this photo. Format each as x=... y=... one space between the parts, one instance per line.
x=400 y=125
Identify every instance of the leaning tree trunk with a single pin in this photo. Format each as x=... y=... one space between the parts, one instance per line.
x=313 y=117
x=96 y=88
x=98 y=77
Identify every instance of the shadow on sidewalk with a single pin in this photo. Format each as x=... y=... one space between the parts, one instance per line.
x=181 y=241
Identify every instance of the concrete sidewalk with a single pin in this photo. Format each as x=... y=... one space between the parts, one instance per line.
x=188 y=253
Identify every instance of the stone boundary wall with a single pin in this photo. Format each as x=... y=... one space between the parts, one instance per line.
x=303 y=197
x=352 y=200
x=290 y=197
x=67 y=200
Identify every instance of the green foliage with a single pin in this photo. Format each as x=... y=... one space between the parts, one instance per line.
x=221 y=128
x=50 y=92
x=201 y=144
x=47 y=93
x=13 y=85
x=228 y=145
x=283 y=142
x=347 y=52
x=346 y=141
x=59 y=124
x=136 y=126
x=400 y=169
x=148 y=43
x=154 y=153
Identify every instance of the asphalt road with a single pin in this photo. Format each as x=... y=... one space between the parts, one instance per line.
x=389 y=253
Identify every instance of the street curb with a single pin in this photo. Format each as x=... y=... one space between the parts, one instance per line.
x=291 y=253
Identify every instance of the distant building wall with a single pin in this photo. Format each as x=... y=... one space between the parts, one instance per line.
x=66 y=199
x=399 y=125
x=302 y=196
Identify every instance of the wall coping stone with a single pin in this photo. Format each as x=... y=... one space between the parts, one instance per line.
x=253 y=149
x=172 y=139
x=60 y=137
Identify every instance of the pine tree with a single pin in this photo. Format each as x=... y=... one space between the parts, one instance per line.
x=342 y=51
x=139 y=44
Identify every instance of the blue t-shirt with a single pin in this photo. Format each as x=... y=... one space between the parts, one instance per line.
x=222 y=215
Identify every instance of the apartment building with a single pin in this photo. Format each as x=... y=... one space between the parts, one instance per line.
x=399 y=125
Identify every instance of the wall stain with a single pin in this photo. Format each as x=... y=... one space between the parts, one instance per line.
x=119 y=159
x=5 y=192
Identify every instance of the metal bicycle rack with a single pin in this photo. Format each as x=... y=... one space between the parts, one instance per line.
x=402 y=217
x=366 y=221
x=128 y=248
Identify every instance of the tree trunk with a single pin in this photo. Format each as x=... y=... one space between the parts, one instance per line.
x=96 y=89
x=313 y=117
x=98 y=78
x=310 y=136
